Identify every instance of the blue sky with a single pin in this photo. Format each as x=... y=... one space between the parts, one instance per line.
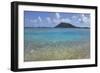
x=51 y=19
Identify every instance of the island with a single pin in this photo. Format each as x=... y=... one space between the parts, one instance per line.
x=68 y=25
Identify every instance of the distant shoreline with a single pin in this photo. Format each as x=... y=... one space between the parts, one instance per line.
x=61 y=27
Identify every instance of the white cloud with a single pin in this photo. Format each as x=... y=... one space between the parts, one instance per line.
x=82 y=18
x=56 y=21
x=58 y=15
x=48 y=19
x=40 y=19
x=66 y=20
x=74 y=17
x=79 y=19
x=33 y=21
x=85 y=19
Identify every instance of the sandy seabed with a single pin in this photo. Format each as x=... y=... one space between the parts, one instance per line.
x=68 y=50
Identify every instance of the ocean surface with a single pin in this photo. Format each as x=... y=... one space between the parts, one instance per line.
x=43 y=44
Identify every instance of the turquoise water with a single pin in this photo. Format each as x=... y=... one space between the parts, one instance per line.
x=47 y=39
x=56 y=34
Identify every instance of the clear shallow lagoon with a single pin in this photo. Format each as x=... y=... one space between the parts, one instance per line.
x=41 y=44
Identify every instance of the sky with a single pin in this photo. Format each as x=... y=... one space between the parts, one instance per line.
x=52 y=19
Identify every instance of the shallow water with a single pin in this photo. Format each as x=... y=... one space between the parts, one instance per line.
x=42 y=44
